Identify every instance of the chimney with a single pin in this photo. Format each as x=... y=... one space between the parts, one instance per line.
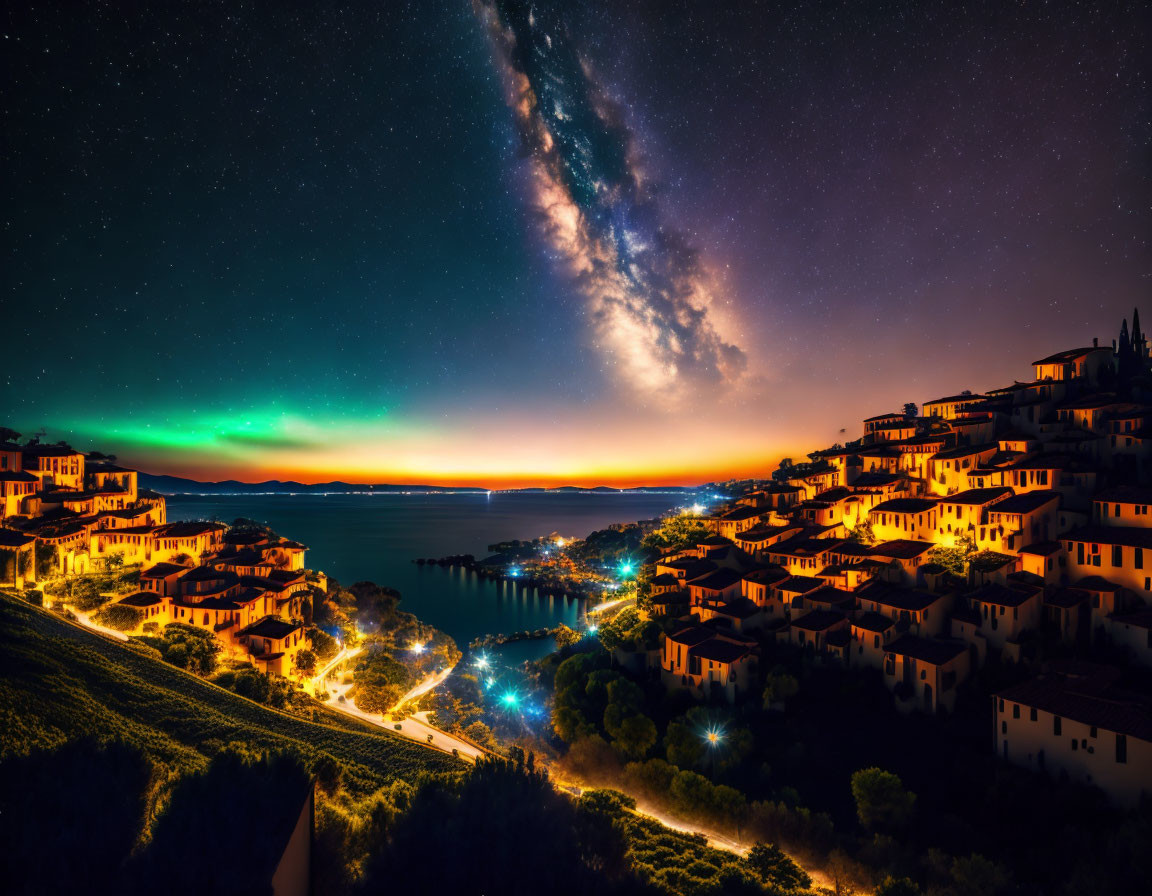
x=1095 y=342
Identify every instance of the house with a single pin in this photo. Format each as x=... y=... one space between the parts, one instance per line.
x=904 y=518
x=1020 y=520
x=948 y=468
x=1126 y=505
x=961 y=515
x=16 y=486
x=902 y=556
x=1074 y=364
x=952 y=406
x=1131 y=634
x=162 y=578
x=813 y=628
x=735 y=521
x=925 y=672
x=1075 y=721
x=1119 y=553
x=56 y=466
x=790 y=592
x=870 y=634
x=757 y=586
x=704 y=660
x=920 y=612
x=1004 y=614
x=722 y=585
x=273 y=644
x=740 y=614
x=1044 y=559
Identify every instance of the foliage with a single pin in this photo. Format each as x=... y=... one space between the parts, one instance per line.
x=567 y=637
x=64 y=683
x=862 y=533
x=897 y=886
x=911 y=411
x=306 y=661
x=882 y=803
x=776 y=868
x=119 y=617
x=510 y=832
x=210 y=812
x=323 y=644
x=186 y=647
x=779 y=687
x=249 y=682
x=676 y=533
x=955 y=559
x=91 y=796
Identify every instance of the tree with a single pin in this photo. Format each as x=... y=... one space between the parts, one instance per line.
x=8 y=435
x=978 y=876
x=306 y=661
x=91 y=796
x=882 y=803
x=897 y=886
x=780 y=687
x=862 y=533
x=911 y=411
x=774 y=867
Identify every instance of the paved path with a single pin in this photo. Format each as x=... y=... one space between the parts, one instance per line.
x=317 y=681
x=610 y=605
x=85 y=620
x=411 y=728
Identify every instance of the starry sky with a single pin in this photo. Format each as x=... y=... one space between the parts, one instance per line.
x=499 y=243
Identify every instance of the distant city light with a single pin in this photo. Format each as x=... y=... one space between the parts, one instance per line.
x=490 y=682
x=592 y=629
x=697 y=509
x=514 y=571
x=626 y=568
x=559 y=542
x=417 y=649
x=481 y=662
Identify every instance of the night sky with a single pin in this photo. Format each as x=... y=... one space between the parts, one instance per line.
x=572 y=242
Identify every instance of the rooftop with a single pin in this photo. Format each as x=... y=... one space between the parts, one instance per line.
x=271 y=627
x=1087 y=699
x=1026 y=502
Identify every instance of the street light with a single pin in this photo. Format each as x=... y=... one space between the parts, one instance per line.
x=510 y=699
x=481 y=662
x=713 y=738
x=417 y=649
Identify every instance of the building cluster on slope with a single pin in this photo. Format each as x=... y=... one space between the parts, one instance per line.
x=983 y=527
x=64 y=513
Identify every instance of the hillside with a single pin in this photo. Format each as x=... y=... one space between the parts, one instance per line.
x=61 y=681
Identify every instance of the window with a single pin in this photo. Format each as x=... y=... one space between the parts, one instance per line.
x=1032 y=714
x=1056 y=725
x=1121 y=748
x=1016 y=710
x=1092 y=731
x=1075 y=745
x=1117 y=555
x=1001 y=704
x=1139 y=558
x=1003 y=727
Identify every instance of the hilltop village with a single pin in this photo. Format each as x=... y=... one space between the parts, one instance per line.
x=66 y=513
x=1012 y=525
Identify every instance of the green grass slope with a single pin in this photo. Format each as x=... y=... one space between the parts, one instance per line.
x=59 y=681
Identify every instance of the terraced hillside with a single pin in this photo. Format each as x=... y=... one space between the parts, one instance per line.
x=59 y=681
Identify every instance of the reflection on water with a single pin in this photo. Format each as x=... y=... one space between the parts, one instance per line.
x=375 y=538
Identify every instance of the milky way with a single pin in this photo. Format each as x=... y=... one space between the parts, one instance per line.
x=647 y=289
